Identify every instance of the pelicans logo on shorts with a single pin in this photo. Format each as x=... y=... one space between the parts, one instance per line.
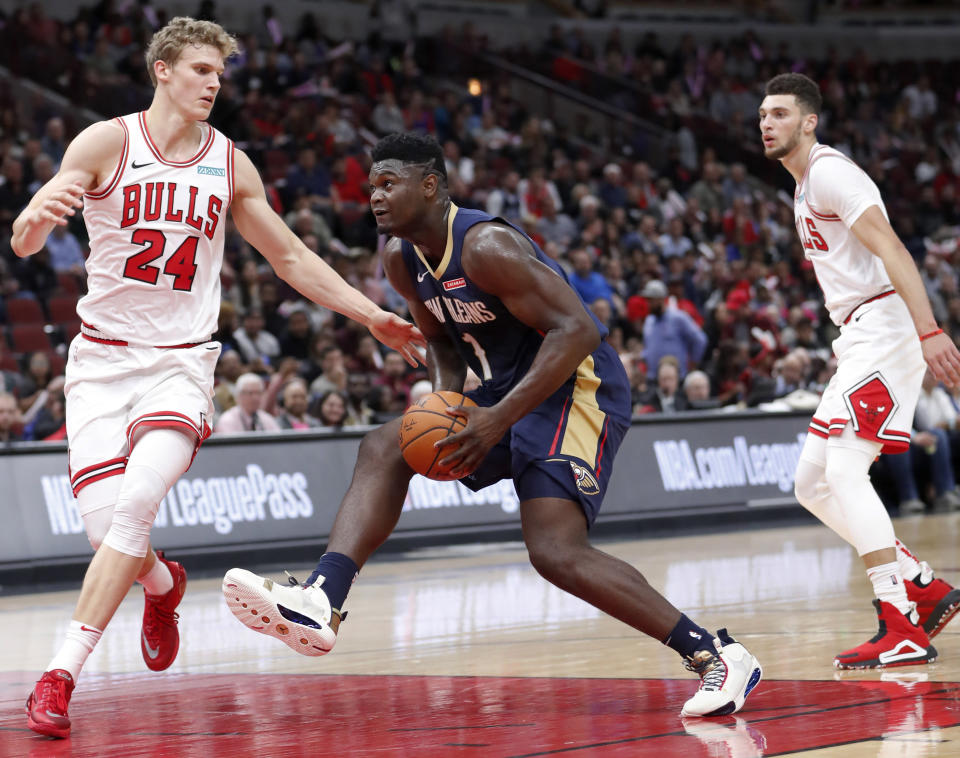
x=586 y=481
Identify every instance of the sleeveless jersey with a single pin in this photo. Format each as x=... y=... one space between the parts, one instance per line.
x=491 y=340
x=156 y=241
x=831 y=195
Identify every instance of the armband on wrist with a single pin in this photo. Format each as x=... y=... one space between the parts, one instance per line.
x=928 y=335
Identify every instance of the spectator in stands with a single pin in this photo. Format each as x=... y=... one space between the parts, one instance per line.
x=246 y=415
x=14 y=194
x=666 y=397
x=294 y=414
x=297 y=336
x=229 y=368
x=504 y=200
x=54 y=141
x=396 y=379
x=789 y=374
x=936 y=410
x=257 y=346
x=670 y=331
x=66 y=252
x=675 y=244
x=928 y=460
x=10 y=423
x=358 y=390
x=50 y=420
x=38 y=376
x=696 y=387
x=331 y=409
x=387 y=117
x=588 y=283
x=611 y=190
x=333 y=372
x=736 y=185
x=556 y=227
x=310 y=179
x=43 y=171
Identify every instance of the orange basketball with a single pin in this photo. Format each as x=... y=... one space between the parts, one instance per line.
x=425 y=423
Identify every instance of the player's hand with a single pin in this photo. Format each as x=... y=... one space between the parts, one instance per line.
x=943 y=358
x=484 y=429
x=401 y=335
x=60 y=204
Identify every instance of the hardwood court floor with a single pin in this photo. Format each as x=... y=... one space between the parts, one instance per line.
x=467 y=652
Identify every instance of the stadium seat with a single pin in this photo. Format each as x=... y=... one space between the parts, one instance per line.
x=63 y=308
x=69 y=283
x=9 y=363
x=28 y=338
x=58 y=363
x=70 y=330
x=24 y=310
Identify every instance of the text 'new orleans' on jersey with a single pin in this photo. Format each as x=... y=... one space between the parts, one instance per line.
x=493 y=342
x=156 y=241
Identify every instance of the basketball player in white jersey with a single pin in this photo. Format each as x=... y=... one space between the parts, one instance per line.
x=888 y=336
x=155 y=189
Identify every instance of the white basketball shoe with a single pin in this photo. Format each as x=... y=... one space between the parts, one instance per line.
x=297 y=616
x=727 y=676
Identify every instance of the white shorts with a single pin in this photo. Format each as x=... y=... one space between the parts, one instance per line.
x=880 y=369
x=113 y=392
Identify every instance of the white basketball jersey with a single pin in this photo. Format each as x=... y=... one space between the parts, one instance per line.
x=156 y=241
x=831 y=195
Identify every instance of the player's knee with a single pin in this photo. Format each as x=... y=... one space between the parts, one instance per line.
x=805 y=486
x=96 y=524
x=841 y=472
x=380 y=446
x=143 y=489
x=551 y=559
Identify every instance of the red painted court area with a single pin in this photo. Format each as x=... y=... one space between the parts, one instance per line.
x=288 y=715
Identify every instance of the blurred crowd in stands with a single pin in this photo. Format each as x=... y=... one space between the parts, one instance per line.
x=690 y=259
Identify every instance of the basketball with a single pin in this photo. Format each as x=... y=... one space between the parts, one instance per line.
x=424 y=423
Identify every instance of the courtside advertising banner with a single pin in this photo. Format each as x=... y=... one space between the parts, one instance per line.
x=276 y=488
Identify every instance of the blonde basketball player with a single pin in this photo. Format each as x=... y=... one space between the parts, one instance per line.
x=155 y=189
x=888 y=336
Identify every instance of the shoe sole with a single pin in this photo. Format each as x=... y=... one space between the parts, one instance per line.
x=47 y=729
x=248 y=598
x=738 y=702
x=152 y=663
x=876 y=664
x=945 y=610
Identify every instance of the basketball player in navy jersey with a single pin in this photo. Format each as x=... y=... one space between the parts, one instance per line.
x=155 y=188
x=553 y=407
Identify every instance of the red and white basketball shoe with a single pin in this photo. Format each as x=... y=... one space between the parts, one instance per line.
x=900 y=642
x=47 y=704
x=159 y=637
x=937 y=602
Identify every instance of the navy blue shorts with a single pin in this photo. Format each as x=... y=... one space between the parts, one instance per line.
x=564 y=448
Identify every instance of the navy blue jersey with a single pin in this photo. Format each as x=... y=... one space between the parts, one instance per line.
x=493 y=342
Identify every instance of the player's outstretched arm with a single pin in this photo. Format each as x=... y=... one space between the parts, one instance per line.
x=89 y=159
x=446 y=368
x=307 y=272
x=875 y=232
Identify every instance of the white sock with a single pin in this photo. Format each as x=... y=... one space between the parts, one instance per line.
x=80 y=642
x=158 y=580
x=888 y=586
x=909 y=565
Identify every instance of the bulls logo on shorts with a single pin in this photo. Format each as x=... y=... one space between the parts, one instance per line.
x=586 y=481
x=871 y=405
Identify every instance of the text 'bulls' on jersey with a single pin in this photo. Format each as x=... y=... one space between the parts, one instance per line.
x=156 y=231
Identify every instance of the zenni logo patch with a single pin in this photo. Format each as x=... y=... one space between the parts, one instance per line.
x=211 y=171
